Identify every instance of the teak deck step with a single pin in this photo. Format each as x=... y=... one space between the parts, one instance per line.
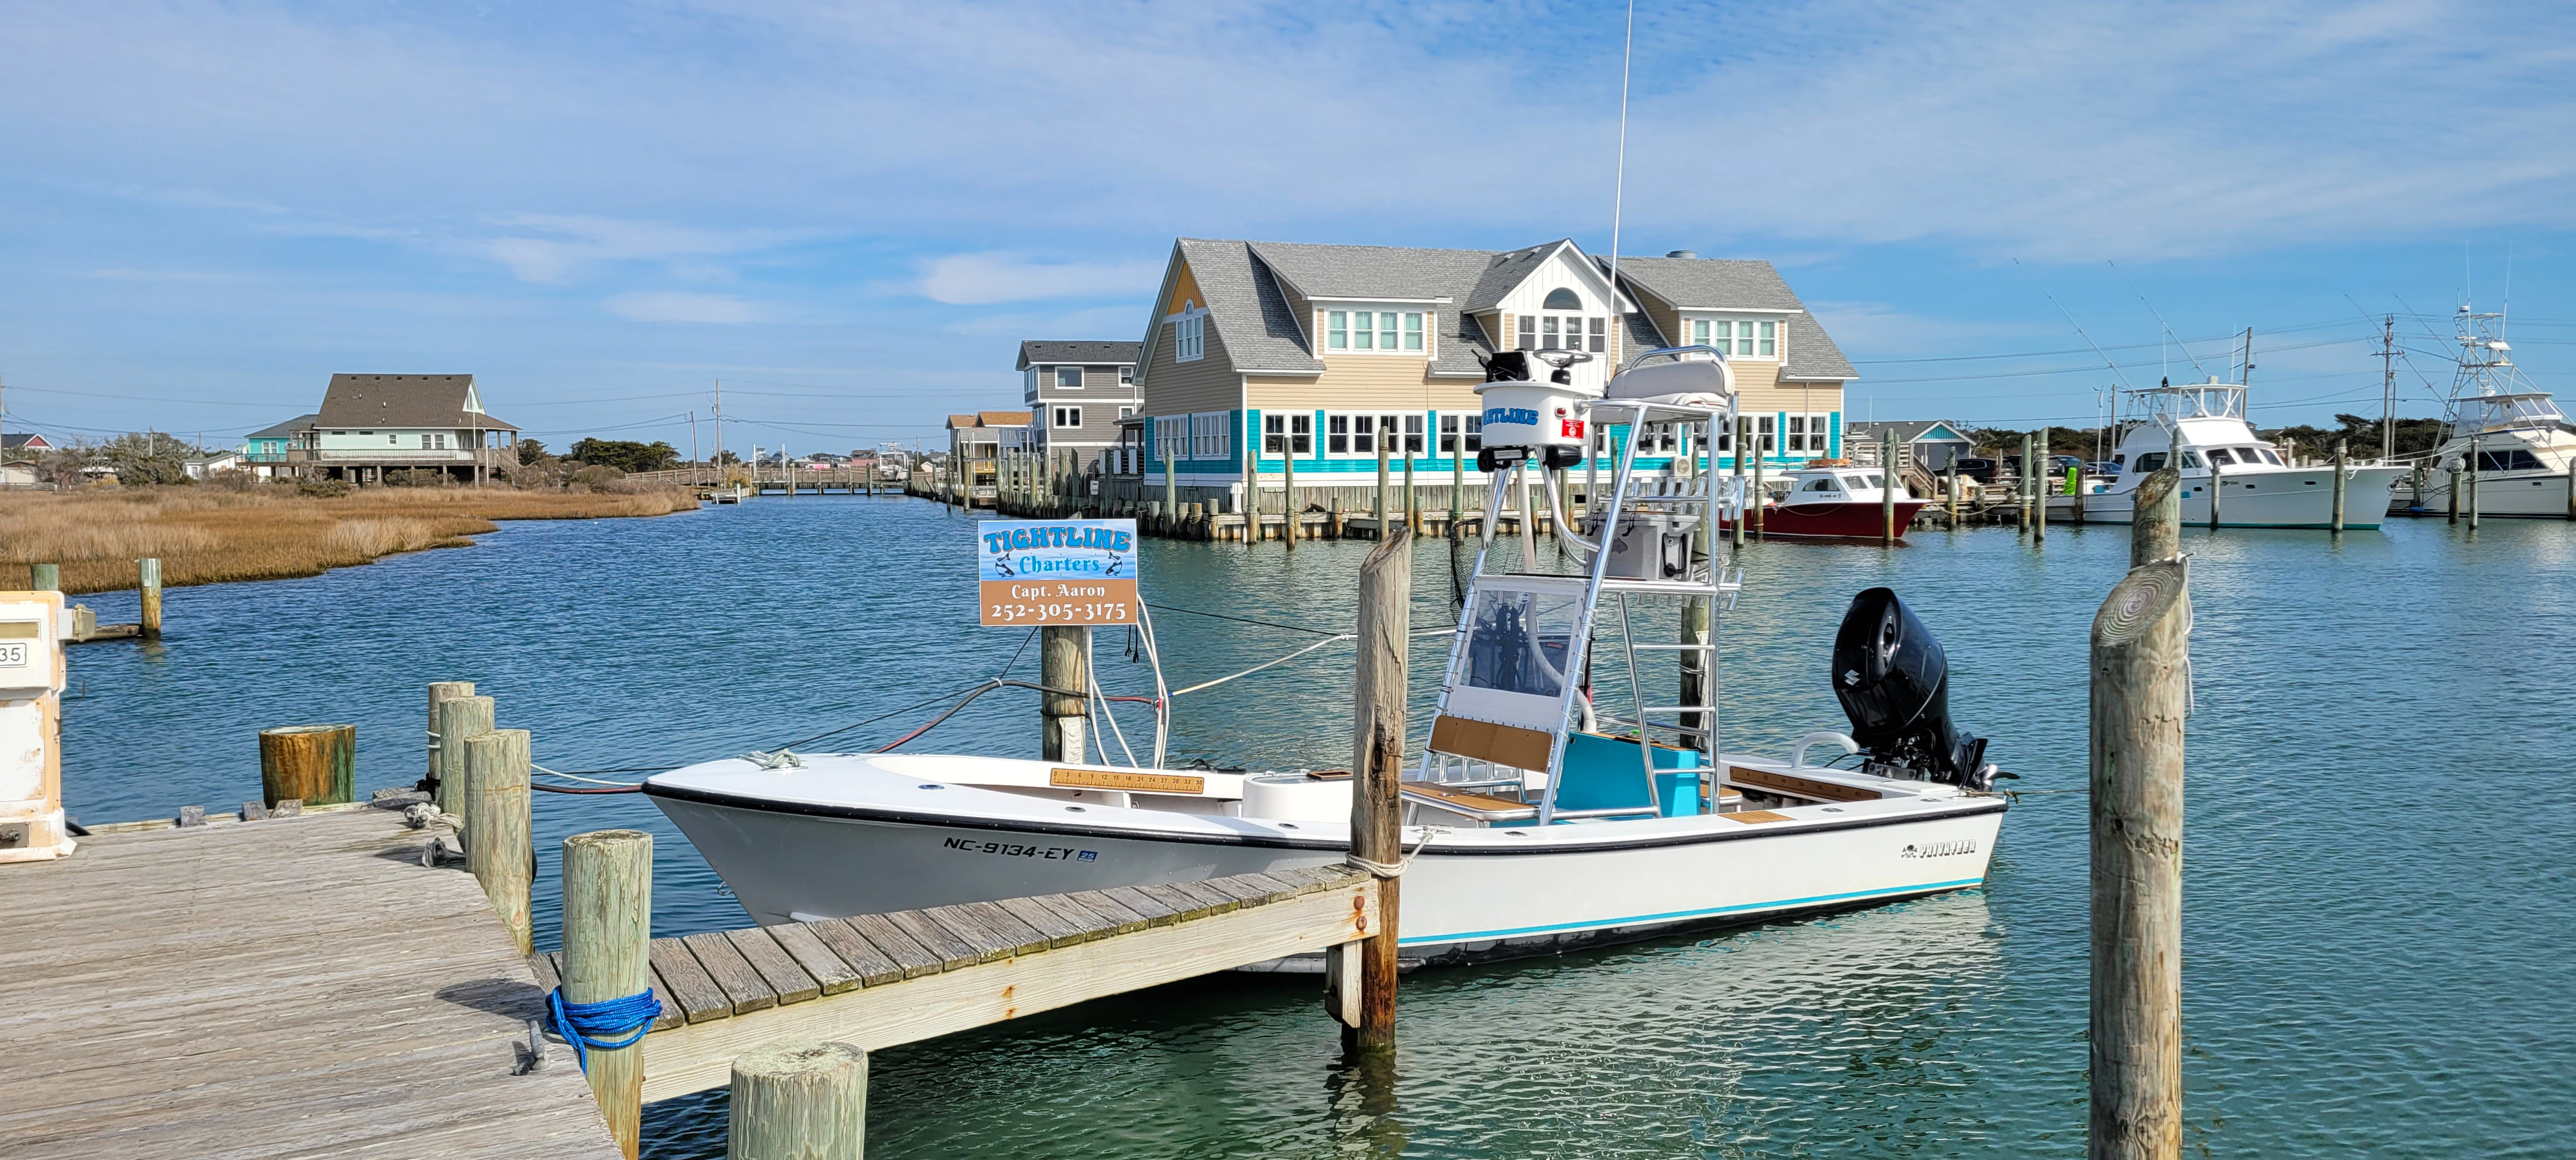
x=1474 y=805
x=775 y=971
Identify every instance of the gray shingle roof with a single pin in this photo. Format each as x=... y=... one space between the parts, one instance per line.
x=1251 y=316
x=285 y=430
x=431 y=401
x=1907 y=430
x=1089 y=351
x=1806 y=351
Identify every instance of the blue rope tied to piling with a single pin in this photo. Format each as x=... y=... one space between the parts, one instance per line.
x=588 y=1025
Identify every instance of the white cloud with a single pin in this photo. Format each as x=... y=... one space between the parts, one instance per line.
x=2021 y=127
x=979 y=279
x=680 y=306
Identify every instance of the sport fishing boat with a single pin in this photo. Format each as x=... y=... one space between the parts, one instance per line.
x=2505 y=438
x=2223 y=463
x=1534 y=819
x=1834 y=502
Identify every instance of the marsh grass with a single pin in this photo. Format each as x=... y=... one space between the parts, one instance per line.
x=205 y=535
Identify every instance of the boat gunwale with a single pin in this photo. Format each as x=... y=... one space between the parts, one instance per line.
x=1966 y=809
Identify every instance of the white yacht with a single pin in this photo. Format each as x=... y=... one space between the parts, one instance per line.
x=1534 y=819
x=2226 y=463
x=2521 y=450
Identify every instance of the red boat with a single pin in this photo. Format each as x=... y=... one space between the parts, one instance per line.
x=1834 y=503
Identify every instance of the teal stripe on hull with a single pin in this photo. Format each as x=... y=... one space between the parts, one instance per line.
x=1686 y=915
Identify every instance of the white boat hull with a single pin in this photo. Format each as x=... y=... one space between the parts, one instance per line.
x=2299 y=497
x=2506 y=495
x=880 y=843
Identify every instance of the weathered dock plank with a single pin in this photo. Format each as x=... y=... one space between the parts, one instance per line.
x=1000 y=963
x=146 y=1017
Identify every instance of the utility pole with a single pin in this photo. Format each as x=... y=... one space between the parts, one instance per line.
x=2388 y=387
x=693 y=447
x=2247 y=379
x=719 y=429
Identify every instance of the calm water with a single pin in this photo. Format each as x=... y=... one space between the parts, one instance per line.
x=2379 y=926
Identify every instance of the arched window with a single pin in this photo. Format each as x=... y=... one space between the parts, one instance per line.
x=1562 y=299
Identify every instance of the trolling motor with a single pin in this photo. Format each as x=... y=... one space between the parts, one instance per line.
x=1533 y=410
x=1894 y=683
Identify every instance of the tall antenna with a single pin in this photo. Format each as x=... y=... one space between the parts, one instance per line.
x=1619 y=182
x=2079 y=327
x=2160 y=317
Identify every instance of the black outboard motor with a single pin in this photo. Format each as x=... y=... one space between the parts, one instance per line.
x=1894 y=683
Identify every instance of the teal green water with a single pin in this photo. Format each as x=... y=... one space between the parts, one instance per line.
x=2378 y=921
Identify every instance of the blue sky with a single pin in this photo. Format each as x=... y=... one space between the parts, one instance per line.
x=852 y=212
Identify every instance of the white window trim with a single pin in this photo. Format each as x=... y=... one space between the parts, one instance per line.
x=1426 y=433
x=1062 y=413
x=1818 y=433
x=1747 y=348
x=1324 y=312
x=1211 y=435
x=1189 y=333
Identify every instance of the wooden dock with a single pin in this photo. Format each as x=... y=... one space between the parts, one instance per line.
x=222 y=986
x=879 y=980
x=296 y=986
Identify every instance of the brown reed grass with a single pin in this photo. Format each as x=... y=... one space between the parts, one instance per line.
x=205 y=535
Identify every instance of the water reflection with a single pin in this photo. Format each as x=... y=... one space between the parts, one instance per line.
x=2335 y=826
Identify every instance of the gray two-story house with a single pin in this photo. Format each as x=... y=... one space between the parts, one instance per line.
x=1077 y=391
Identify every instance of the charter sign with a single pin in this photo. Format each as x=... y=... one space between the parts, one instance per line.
x=1062 y=572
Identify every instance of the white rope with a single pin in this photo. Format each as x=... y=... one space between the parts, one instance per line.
x=1397 y=869
x=779 y=760
x=578 y=777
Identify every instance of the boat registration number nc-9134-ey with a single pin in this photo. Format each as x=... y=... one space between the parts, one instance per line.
x=1017 y=850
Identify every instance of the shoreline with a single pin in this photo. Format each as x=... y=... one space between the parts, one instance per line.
x=207 y=535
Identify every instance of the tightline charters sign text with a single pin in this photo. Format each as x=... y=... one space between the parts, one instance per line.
x=1065 y=572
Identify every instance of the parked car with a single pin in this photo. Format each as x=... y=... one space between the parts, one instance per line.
x=1981 y=470
x=2103 y=467
x=2057 y=464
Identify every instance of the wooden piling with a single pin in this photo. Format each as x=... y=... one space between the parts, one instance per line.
x=2338 y=485
x=1458 y=481
x=798 y=1100
x=497 y=846
x=313 y=764
x=1382 y=508
x=2455 y=496
x=148 y=585
x=1412 y=498
x=1064 y=654
x=1377 y=760
x=2140 y=696
x=1887 y=492
x=459 y=718
x=440 y=692
x=1754 y=503
x=44 y=577
x=2475 y=453
x=1954 y=489
x=607 y=935
x=2217 y=486
x=2022 y=487
x=2155 y=516
x=2037 y=469
x=1743 y=432
x=1288 y=505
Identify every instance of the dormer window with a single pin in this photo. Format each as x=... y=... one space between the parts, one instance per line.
x=1739 y=338
x=1189 y=336
x=1388 y=331
x=1562 y=299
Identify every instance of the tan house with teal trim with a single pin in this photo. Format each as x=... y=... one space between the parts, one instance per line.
x=1276 y=349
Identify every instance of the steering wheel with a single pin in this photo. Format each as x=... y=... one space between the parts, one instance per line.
x=1561 y=359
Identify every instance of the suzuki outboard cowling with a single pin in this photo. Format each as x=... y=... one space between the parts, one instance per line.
x=1894 y=683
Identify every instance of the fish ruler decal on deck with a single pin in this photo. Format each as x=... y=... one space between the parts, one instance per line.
x=1116 y=779
x=1800 y=786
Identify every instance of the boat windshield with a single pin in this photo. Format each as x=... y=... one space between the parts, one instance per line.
x=1519 y=641
x=2504 y=412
